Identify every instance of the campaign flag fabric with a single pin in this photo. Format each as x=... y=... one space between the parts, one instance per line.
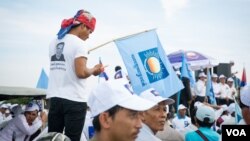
x=244 y=78
x=103 y=74
x=185 y=71
x=209 y=89
x=43 y=80
x=238 y=114
x=147 y=64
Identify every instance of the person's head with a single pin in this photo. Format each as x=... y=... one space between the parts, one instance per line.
x=31 y=112
x=205 y=116
x=81 y=25
x=214 y=77
x=155 y=117
x=182 y=110
x=116 y=111
x=59 y=49
x=245 y=103
x=202 y=76
x=3 y=108
x=117 y=68
x=222 y=78
x=230 y=82
x=16 y=110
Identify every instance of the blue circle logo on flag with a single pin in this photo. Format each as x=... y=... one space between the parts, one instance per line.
x=155 y=69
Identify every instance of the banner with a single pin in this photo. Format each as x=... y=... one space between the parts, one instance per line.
x=147 y=64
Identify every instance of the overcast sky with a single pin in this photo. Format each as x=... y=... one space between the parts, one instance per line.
x=217 y=28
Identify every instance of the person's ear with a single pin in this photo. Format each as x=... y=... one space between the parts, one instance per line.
x=142 y=116
x=105 y=120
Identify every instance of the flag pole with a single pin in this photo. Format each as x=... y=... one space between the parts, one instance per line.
x=126 y=36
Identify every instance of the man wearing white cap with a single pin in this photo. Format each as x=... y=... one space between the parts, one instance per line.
x=24 y=125
x=200 y=88
x=205 y=118
x=116 y=112
x=232 y=91
x=181 y=121
x=224 y=90
x=154 y=118
x=245 y=105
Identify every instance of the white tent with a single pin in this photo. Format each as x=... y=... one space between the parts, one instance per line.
x=7 y=92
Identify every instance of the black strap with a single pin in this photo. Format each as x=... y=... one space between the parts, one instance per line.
x=202 y=135
x=26 y=137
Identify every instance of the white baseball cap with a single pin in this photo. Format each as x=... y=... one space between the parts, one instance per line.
x=31 y=107
x=224 y=107
x=245 y=95
x=197 y=103
x=222 y=76
x=202 y=74
x=231 y=108
x=113 y=92
x=152 y=95
x=214 y=75
x=16 y=110
x=230 y=79
x=5 y=106
x=204 y=111
x=181 y=106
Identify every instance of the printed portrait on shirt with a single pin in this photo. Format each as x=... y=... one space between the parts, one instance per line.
x=58 y=56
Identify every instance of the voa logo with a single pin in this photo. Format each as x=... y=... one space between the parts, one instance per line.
x=236 y=132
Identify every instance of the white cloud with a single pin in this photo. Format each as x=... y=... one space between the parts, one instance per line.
x=171 y=7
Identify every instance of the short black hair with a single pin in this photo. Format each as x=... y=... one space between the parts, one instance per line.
x=111 y=112
x=117 y=68
x=205 y=122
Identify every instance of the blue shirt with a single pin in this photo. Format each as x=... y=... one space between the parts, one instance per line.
x=210 y=134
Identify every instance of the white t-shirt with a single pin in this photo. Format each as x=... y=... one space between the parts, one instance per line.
x=200 y=88
x=63 y=82
x=224 y=90
x=230 y=93
x=180 y=124
x=19 y=126
x=146 y=134
x=216 y=89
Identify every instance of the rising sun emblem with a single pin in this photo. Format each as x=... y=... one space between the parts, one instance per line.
x=153 y=65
